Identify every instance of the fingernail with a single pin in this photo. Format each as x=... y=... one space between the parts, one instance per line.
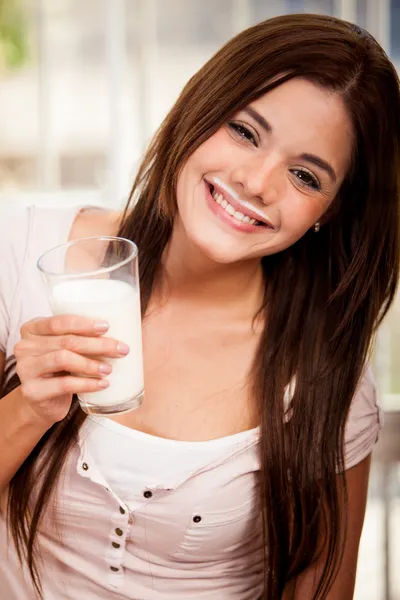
x=100 y=326
x=103 y=383
x=123 y=348
x=105 y=368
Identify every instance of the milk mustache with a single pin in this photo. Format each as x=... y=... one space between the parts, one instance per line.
x=118 y=303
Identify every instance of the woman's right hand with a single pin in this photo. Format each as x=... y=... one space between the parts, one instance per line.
x=60 y=356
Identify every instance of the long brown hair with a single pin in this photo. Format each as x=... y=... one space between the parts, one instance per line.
x=326 y=294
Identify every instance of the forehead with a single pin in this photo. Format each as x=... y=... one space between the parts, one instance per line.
x=305 y=118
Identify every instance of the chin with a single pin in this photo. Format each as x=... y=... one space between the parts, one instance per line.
x=219 y=251
x=221 y=257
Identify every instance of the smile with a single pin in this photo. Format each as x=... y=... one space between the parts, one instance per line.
x=236 y=212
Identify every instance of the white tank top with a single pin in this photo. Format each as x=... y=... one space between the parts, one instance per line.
x=132 y=460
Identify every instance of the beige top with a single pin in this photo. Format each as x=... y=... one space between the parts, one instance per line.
x=142 y=517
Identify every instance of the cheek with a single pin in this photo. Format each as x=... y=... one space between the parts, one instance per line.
x=301 y=212
x=215 y=154
x=193 y=170
x=187 y=180
x=181 y=184
x=208 y=158
x=211 y=155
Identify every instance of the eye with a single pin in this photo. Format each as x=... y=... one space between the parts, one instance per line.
x=307 y=179
x=243 y=132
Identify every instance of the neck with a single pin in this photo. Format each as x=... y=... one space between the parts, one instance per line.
x=189 y=275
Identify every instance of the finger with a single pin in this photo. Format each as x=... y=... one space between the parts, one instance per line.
x=64 y=324
x=87 y=346
x=52 y=387
x=59 y=361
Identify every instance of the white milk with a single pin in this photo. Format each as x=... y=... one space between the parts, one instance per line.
x=118 y=303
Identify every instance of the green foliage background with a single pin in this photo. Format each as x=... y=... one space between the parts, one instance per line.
x=13 y=34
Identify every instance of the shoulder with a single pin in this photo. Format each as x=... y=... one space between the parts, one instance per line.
x=14 y=225
x=34 y=229
x=364 y=421
x=92 y=221
x=25 y=234
x=15 y=228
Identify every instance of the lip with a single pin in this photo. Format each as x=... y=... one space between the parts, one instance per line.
x=241 y=205
x=227 y=218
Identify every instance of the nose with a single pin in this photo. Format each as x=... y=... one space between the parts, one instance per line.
x=258 y=178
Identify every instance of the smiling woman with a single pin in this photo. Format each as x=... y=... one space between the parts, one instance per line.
x=280 y=162
x=266 y=212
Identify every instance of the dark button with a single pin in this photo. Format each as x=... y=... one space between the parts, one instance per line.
x=115 y=569
x=197 y=519
x=119 y=531
x=122 y=510
x=116 y=545
x=85 y=466
x=148 y=494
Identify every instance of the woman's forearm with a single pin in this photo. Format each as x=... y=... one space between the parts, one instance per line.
x=19 y=434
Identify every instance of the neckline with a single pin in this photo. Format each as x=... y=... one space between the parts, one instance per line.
x=247 y=436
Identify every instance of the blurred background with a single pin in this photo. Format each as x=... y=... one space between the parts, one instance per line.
x=84 y=85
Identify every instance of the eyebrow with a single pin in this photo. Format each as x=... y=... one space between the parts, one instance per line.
x=311 y=158
x=257 y=117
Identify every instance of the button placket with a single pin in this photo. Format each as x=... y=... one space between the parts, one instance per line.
x=115 y=554
x=121 y=524
x=121 y=521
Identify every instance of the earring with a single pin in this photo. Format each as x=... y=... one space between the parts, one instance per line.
x=317 y=226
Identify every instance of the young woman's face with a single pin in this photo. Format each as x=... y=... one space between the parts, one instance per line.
x=263 y=179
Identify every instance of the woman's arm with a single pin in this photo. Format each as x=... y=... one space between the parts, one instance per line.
x=56 y=358
x=343 y=587
x=19 y=433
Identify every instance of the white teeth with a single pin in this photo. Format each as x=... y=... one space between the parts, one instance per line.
x=219 y=199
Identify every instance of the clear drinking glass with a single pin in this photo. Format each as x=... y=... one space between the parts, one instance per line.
x=98 y=278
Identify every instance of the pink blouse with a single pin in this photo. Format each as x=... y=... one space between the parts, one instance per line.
x=140 y=517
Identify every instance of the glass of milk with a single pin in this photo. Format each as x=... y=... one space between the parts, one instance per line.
x=98 y=278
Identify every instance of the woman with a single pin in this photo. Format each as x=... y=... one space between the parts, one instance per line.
x=267 y=218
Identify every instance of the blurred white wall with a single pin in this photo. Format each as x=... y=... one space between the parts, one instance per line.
x=97 y=77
